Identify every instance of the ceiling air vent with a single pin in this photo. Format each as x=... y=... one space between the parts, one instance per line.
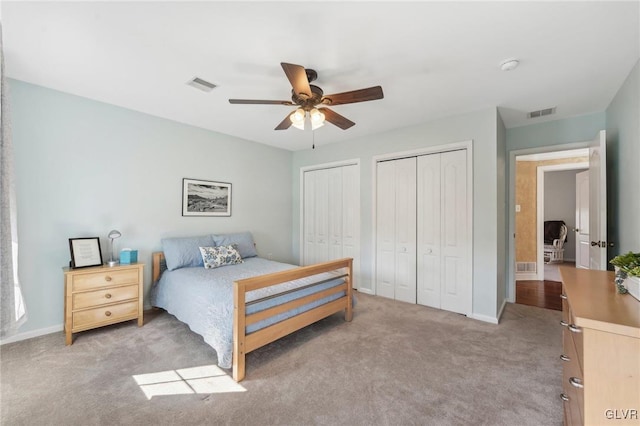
x=541 y=112
x=201 y=84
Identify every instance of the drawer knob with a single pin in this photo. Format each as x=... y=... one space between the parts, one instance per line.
x=576 y=382
x=107 y=278
x=563 y=296
x=565 y=358
x=108 y=313
x=574 y=328
x=564 y=323
x=564 y=397
x=108 y=295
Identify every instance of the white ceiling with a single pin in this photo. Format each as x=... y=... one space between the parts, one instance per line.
x=431 y=59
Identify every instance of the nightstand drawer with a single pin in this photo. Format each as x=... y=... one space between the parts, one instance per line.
x=104 y=296
x=107 y=278
x=105 y=315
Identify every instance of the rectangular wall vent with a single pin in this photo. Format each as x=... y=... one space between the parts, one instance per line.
x=201 y=84
x=525 y=267
x=541 y=112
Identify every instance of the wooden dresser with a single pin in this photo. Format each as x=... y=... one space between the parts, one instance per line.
x=99 y=296
x=601 y=350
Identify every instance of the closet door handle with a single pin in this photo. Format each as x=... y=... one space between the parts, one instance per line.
x=564 y=397
x=574 y=328
x=576 y=382
x=564 y=323
x=565 y=358
x=563 y=296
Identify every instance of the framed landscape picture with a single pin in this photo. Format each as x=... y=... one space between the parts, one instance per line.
x=205 y=198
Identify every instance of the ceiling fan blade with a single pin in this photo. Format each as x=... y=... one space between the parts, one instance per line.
x=336 y=119
x=284 y=124
x=259 y=102
x=362 y=95
x=298 y=78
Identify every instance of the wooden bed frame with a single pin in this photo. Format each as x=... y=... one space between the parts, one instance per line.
x=244 y=343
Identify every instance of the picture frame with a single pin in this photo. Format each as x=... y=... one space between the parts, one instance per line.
x=85 y=252
x=205 y=198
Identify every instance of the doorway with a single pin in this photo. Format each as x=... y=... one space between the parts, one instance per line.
x=545 y=191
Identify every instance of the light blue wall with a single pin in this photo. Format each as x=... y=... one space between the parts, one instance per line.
x=478 y=126
x=85 y=167
x=558 y=132
x=501 y=226
x=623 y=164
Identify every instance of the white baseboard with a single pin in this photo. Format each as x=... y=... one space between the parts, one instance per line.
x=33 y=333
x=366 y=291
x=485 y=318
x=527 y=277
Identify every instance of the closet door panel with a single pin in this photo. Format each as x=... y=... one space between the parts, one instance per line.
x=385 y=229
x=429 y=231
x=309 y=218
x=335 y=206
x=321 y=226
x=456 y=286
x=405 y=230
x=351 y=217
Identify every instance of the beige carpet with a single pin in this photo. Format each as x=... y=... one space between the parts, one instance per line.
x=394 y=364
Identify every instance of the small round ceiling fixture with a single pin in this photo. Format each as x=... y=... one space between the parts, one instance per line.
x=509 y=64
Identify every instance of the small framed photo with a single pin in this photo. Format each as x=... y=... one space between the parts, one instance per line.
x=85 y=252
x=205 y=198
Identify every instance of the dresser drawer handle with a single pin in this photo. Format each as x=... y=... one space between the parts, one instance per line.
x=108 y=313
x=107 y=278
x=563 y=296
x=574 y=328
x=565 y=358
x=108 y=295
x=576 y=383
x=564 y=323
x=564 y=397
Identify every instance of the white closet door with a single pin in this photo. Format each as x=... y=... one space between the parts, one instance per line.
x=456 y=284
x=385 y=229
x=396 y=230
x=405 y=285
x=351 y=217
x=321 y=219
x=429 y=231
x=334 y=215
x=309 y=218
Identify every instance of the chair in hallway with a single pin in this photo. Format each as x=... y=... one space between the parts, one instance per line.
x=555 y=235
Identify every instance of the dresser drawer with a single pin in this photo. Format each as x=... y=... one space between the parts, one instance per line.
x=91 y=318
x=572 y=370
x=104 y=296
x=104 y=278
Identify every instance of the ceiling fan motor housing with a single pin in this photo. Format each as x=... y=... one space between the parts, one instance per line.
x=308 y=103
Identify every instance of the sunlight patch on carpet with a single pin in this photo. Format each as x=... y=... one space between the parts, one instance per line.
x=205 y=379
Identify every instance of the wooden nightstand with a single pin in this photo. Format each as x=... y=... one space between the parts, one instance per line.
x=99 y=296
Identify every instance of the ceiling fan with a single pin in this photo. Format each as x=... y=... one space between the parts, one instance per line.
x=308 y=97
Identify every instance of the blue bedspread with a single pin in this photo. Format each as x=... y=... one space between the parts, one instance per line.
x=203 y=299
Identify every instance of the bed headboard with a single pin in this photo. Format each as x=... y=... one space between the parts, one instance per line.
x=159 y=265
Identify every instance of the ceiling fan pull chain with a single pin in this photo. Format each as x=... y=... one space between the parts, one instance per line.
x=313 y=139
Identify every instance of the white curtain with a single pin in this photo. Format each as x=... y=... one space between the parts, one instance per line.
x=12 y=309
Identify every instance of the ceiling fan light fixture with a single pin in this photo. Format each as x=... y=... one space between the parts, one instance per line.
x=317 y=119
x=297 y=118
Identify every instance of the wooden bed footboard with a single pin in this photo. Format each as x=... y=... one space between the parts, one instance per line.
x=244 y=343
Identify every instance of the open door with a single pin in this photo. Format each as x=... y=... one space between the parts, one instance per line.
x=583 y=246
x=598 y=202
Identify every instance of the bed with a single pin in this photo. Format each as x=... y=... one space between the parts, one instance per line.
x=238 y=308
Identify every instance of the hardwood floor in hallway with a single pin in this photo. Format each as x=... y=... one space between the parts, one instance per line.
x=543 y=294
